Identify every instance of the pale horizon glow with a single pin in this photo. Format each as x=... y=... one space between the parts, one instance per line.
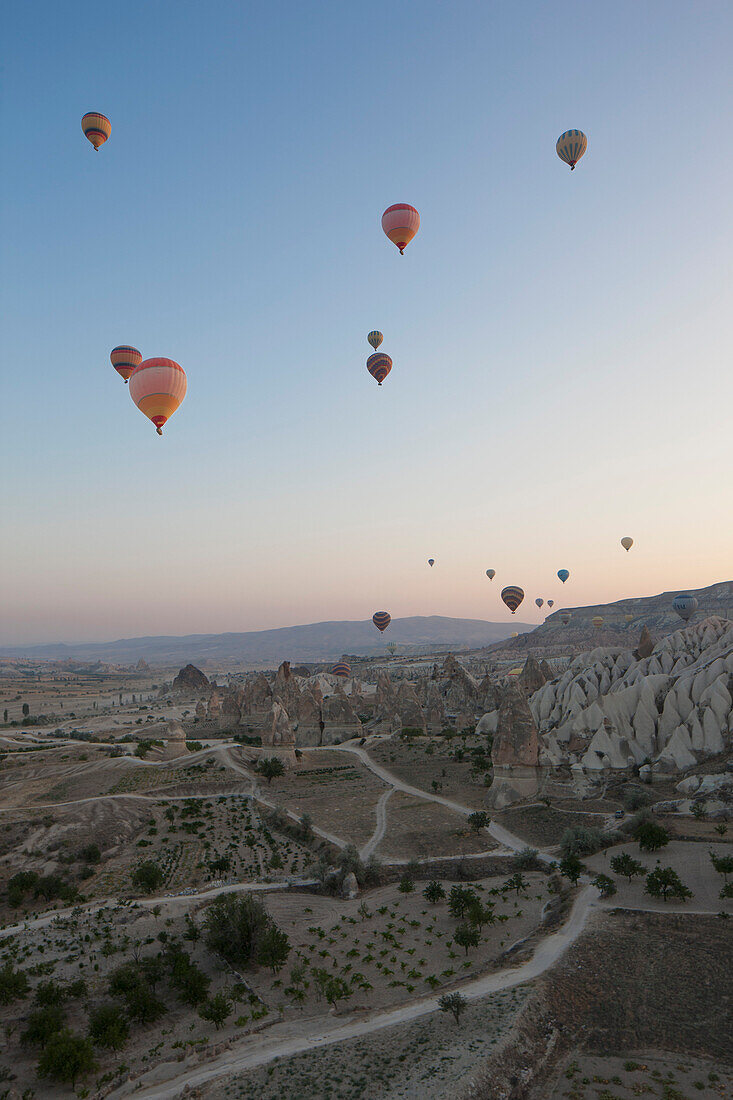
x=561 y=341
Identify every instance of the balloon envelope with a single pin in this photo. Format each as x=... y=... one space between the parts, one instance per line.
x=597 y=620
x=375 y=338
x=431 y=562
x=379 y=365
x=512 y=597
x=491 y=573
x=629 y=617
x=563 y=574
x=124 y=359
x=400 y=222
x=96 y=127
x=627 y=542
x=685 y=606
x=539 y=601
x=158 y=386
x=342 y=669
x=570 y=146
x=381 y=620
x=550 y=603
x=565 y=618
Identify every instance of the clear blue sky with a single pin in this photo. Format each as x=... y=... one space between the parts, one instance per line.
x=561 y=342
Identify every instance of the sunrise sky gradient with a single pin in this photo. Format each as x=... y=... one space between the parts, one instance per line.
x=561 y=341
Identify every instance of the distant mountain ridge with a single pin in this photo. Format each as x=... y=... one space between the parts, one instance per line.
x=311 y=642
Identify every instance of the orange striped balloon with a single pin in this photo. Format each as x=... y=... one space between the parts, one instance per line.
x=341 y=669
x=96 y=127
x=512 y=596
x=158 y=386
x=124 y=359
x=400 y=222
x=381 y=620
x=379 y=365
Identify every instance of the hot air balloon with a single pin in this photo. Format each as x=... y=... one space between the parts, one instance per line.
x=565 y=618
x=597 y=621
x=431 y=562
x=539 y=601
x=550 y=603
x=158 y=386
x=512 y=597
x=124 y=359
x=570 y=146
x=685 y=605
x=629 y=618
x=375 y=338
x=491 y=573
x=381 y=620
x=627 y=542
x=379 y=365
x=563 y=574
x=514 y=634
x=400 y=222
x=96 y=127
x=341 y=669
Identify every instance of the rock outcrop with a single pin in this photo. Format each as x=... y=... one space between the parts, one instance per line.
x=516 y=743
x=190 y=681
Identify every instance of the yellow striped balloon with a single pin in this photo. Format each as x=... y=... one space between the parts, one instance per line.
x=627 y=542
x=375 y=338
x=570 y=146
x=512 y=596
x=597 y=621
x=96 y=127
x=158 y=386
x=124 y=359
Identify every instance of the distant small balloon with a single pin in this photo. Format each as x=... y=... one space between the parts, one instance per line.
x=491 y=573
x=400 y=222
x=375 y=338
x=512 y=597
x=539 y=601
x=381 y=620
x=685 y=605
x=96 y=127
x=342 y=670
x=124 y=359
x=563 y=574
x=570 y=147
x=627 y=542
x=597 y=621
x=431 y=562
x=629 y=617
x=379 y=365
x=565 y=618
x=514 y=634
x=550 y=603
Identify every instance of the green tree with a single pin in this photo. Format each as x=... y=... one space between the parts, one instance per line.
x=459 y=899
x=336 y=989
x=406 y=885
x=434 y=892
x=216 y=1009
x=42 y=1024
x=270 y=767
x=665 y=883
x=143 y=1006
x=274 y=948
x=478 y=820
x=605 y=885
x=727 y=891
x=147 y=876
x=26 y=710
x=108 y=1027
x=189 y=982
x=50 y=993
x=66 y=1057
x=479 y=914
x=572 y=868
x=13 y=983
x=580 y=840
x=466 y=937
x=453 y=1003
x=626 y=866
x=722 y=864
x=235 y=925
x=651 y=837
x=517 y=882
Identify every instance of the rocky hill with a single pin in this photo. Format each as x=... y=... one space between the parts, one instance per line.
x=267 y=648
